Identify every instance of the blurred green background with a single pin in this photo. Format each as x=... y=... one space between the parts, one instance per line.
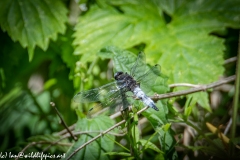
x=49 y=50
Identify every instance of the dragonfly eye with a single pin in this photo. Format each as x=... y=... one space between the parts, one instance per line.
x=117 y=75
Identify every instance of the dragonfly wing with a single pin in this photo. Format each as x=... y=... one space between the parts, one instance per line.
x=110 y=96
x=97 y=94
x=139 y=66
x=114 y=101
x=153 y=71
x=140 y=69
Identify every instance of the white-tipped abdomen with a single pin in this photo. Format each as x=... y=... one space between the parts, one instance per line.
x=146 y=100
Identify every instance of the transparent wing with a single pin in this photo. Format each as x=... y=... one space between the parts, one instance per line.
x=116 y=102
x=139 y=67
x=154 y=70
x=97 y=94
x=111 y=95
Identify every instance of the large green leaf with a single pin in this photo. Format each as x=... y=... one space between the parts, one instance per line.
x=183 y=47
x=107 y=26
x=33 y=23
x=98 y=148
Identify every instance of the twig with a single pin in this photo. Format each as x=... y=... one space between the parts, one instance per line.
x=65 y=130
x=56 y=142
x=184 y=85
x=230 y=60
x=228 y=127
x=62 y=121
x=117 y=114
x=111 y=133
x=193 y=90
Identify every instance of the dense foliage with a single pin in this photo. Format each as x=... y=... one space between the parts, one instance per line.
x=50 y=50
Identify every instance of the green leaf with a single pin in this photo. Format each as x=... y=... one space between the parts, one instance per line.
x=98 y=27
x=203 y=100
x=183 y=46
x=192 y=99
x=187 y=39
x=33 y=23
x=150 y=145
x=98 y=148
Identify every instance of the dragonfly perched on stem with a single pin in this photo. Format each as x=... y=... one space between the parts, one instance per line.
x=114 y=94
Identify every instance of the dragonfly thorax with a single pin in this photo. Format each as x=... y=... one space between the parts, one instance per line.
x=127 y=80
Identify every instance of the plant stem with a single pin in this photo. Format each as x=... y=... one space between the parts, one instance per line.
x=193 y=90
x=236 y=95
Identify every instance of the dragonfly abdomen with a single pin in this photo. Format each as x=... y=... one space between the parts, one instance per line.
x=146 y=100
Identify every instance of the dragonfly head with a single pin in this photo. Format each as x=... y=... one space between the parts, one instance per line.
x=118 y=75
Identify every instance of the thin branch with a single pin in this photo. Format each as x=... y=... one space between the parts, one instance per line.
x=115 y=115
x=72 y=127
x=184 y=85
x=54 y=143
x=87 y=132
x=230 y=60
x=193 y=90
x=62 y=121
x=228 y=126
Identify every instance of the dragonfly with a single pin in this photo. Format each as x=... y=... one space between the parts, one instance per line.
x=114 y=94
